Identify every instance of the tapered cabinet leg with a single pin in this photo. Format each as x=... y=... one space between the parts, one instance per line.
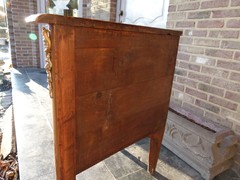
x=155 y=144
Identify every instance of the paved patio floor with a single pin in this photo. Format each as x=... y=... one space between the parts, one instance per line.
x=33 y=119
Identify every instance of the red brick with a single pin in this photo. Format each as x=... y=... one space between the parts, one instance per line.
x=199 y=15
x=235 y=76
x=219 y=53
x=231 y=44
x=237 y=56
x=226 y=84
x=224 y=34
x=229 y=113
x=191 y=49
x=226 y=13
x=200 y=77
x=235 y=3
x=176 y=93
x=186 y=40
x=172 y=8
x=176 y=16
x=214 y=4
x=207 y=106
x=215 y=72
x=229 y=65
x=203 y=60
x=177 y=86
x=170 y=25
x=180 y=72
x=196 y=93
x=183 y=56
x=189 y=99
x=192 y=67
x=188 y=6
x=184 y=24
x=223 y=103
x=193 y=109
x=198 y=33
x=183 y=97
x=206 y=42
x=175 y=102
x=233 y=96
x=210 y=89
x=210 y=24
x=178 y=1
x=233 y=23
x=186 y=81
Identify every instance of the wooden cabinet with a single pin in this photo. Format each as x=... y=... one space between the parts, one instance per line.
x=110 y=84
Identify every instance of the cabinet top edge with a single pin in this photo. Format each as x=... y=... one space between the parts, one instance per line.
x=82 y=22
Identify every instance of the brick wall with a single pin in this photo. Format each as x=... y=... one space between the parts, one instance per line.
x=207 y=76
x=113 y=10
x=25 y=52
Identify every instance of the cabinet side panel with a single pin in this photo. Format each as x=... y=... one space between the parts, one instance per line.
x=122 y=89
x=63 y=73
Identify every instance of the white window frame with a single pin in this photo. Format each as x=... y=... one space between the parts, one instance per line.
x=41 y=8
x=121 y=7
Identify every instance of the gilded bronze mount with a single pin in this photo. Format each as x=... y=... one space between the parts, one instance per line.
x=48 y=66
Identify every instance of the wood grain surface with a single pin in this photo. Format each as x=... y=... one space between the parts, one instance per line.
x=111 y=87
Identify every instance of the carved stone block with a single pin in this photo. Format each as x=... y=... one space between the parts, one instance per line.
x=207 y=147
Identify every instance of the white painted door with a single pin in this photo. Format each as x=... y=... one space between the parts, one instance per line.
x=144 y=12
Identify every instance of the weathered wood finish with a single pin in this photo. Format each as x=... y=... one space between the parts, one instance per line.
x=111 y=88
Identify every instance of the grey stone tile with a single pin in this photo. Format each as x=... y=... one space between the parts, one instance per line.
x=169 y=165
x=20 y=80
x=34 y=135
x=97 y=172
x=35 y=143
x=50 y=176
x=37 y=166
x=120 y=165
x=39 y=78
x=142 y=141
x=140 y=151
x=37 y=148
x=227 y=175
x=176 y=166
x=140 y=175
